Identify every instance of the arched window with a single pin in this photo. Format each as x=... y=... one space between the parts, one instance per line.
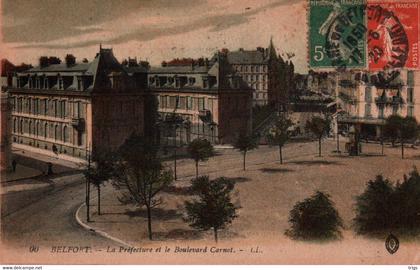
x=37 y=129
x=21 y=126
x=65 y=135
x=30 y=127
x=14 y=126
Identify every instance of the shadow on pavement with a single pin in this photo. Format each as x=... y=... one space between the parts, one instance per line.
x=157 y=213
x=275 y=170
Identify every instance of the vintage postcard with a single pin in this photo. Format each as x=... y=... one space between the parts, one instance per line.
x=210 y=132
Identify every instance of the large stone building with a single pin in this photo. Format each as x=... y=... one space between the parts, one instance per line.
x=73 y=108
x=205 y=97
x=368 y=99
x=265 y=72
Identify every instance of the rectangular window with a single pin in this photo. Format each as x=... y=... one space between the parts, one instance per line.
x=367 y=110
x=410 y=95
x=410 y=111
x=394 y=109
x=45 y=106
x=410 y=78
x=201 y=104
x=63 y=109
x=381 y=112
x=182 y=103
x=172 y=102
x=189 y=103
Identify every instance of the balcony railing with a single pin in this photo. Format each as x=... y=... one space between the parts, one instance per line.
x=389 y=100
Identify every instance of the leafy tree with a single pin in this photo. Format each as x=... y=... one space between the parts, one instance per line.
x=374 y=207
x=320 y=127
x=200 y=150
x=407 y=198
x=214 y=209
x=278 y=133
x=397 y=127
x=384 y=207
x=391 y=127
x=141 y=175
x=315 y=218
x=101 y=171
x=245 y=143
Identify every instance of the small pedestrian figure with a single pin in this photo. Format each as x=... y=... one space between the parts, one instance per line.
x=49 y=170
x=54 y=149
x=14 y=163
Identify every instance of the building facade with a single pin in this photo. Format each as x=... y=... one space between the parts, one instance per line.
x=76 y=109
x=205 y=97
x=368 y=99
x=265 y=72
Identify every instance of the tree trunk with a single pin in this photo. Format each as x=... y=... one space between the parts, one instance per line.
x=319 y=147
x=149 y=221
x=99 y=199
x=175 y=164
x=402 y=149
x=196 y=169
x=244 y=160
x=215 y=234
x=281 y=155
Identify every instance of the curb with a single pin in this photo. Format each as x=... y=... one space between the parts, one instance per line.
x=99 y=232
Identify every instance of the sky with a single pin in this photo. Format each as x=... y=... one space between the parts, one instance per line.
x=152 y=30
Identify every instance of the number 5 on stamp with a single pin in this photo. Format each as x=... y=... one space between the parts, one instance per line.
x=337 y=34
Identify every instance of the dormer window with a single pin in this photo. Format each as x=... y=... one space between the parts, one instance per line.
x=177 y=82
x=170 y=80
x=205 y=82
x=152 y=80
x=79 y=84
x=30 y=82
x=191 y=80
x=60 y=82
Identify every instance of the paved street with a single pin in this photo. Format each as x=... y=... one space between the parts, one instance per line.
x=49 y=218
x=266 y=191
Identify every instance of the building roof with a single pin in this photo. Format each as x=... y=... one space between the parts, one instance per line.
x=180 y=69
x=247 y=57
x=60 y=68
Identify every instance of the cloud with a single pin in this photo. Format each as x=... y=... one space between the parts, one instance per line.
x=214 y=21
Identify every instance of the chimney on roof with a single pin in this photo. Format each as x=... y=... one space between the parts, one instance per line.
x=241 y=49
x=70 y=60
x=85 y=60
x=43 y=61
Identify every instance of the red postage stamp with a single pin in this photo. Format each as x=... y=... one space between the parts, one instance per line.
x=393 y=34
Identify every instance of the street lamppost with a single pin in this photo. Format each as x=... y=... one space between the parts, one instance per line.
x=88 y=154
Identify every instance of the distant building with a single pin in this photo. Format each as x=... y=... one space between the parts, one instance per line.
x=265 y=72
x=314 y=83
x=368 y=99
x=206 y=99
x=5 y=132
x=73 y=108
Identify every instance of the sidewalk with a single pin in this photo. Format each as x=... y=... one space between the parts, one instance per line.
x=22 y=172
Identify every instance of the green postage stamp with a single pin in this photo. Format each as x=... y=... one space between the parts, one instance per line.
x=337 y=31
